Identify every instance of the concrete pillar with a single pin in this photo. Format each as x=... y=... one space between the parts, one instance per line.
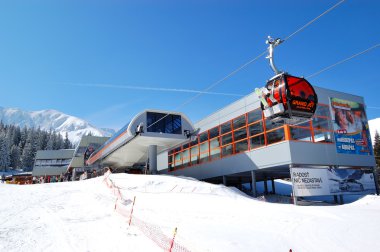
x=376 y=182
x=273 y=186
x=73 y=175
x=152 y=159
x=225 y=180
x=335 y=199
x=265 y=186
x=253 y=183
x=293 y=194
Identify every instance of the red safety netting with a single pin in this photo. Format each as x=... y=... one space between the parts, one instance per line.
x=124 y=206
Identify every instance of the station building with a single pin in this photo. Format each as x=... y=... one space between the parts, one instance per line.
x=238 y=145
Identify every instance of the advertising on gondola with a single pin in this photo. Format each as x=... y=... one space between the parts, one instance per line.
x=351 y=128
x=331 y=181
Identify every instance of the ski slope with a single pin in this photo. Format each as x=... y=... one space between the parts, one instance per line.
x=81 y=216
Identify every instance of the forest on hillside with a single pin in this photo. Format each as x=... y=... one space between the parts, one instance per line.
x=18 y=146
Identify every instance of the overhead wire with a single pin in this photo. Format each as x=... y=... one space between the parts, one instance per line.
x=342 y=61
x=248 y=63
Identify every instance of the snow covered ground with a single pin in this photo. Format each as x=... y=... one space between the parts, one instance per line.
x=81 y=216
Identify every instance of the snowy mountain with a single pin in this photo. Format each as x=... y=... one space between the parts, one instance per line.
x=374 y=125
x=52 y=120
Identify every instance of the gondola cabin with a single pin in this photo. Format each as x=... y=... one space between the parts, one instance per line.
x=288 y=98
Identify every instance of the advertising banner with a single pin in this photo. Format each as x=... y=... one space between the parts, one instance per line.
x=351 y=128
x=331 y=181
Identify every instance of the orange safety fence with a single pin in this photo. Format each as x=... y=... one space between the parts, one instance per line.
x=124 y=206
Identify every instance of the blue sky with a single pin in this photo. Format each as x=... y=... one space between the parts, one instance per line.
x=74 y=56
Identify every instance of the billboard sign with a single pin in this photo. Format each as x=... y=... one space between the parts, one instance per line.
x=351 y=129
x=331 y=181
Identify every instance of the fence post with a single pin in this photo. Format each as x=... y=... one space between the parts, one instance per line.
x=172 y=241
x=130 y=217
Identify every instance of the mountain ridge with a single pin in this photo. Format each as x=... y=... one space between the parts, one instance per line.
x=50 y=119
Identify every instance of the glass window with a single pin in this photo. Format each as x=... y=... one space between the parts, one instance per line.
x=185 y=146
x=226 y=139
x=323 y=136
x=195 y=142
x=194 y=154
x=321 y=123
x=271 y=125
x=178 y=159
x=170 y=159
x=186 y=157
x=240 y=134
x=322 y=110
x=256 y=128
x=214 y=132
x=203 y=137
x=254 y=115
x=164 y=123
x=239 y=122
x=227 y=150
x=204 y=151
x=301 y=134
x=215 y=148
x=226 y=127
x=241 y=146
x=257 y=141
x=275 y=136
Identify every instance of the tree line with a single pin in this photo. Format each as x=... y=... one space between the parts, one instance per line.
x=18 y=146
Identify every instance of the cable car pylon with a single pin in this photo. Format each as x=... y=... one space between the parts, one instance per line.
x=286 y=98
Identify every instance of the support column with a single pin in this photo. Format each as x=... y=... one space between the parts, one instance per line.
x=225 y=180
x=335 y=199
x=293 y=194
x=265 y=185
x=341 y=199
x=375 y=175
x=253 y=183
x=74 y=173
x=273 y=186
x=152 y=151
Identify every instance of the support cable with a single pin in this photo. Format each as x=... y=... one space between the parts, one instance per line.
x=247 y=63
x=342 y=61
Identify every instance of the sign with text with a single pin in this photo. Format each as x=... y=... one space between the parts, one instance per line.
x=331 y=181
x=351 y=128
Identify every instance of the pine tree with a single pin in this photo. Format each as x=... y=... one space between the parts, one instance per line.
x=15 y=157
x=376 y=148
x=66 y=143
x=29 y=152
x=4 y=153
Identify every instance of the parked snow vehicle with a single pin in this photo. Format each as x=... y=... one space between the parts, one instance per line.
x=286 y=97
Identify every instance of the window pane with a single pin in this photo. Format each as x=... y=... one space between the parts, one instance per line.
x=227 y=150
x=226 y=127
x=214 y=132
x=239 y=122
x=203 y=137
x=194 y=154
x=301 y=134
x=204 y=151
x=178 y=159
x=215 y=148
x=321 y=123
x=226 y=139
x=170 y=159
x=256 y=128
x=241 y=146
x=322 y=111
x=270 y=125
x=163 y=123
x=195 y=142
x=275 y=136
x=257 y=141
x=240 y=134
x=254 y=116
x=323 y=136
x=186 y=157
